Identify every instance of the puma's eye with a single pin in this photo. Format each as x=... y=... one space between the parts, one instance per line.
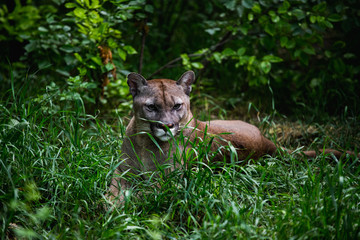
x=151 y=107
x=177 y=106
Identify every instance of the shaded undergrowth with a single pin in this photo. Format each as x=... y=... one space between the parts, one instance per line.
x=56 y=168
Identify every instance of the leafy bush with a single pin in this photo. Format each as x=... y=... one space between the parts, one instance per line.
x=304 y=52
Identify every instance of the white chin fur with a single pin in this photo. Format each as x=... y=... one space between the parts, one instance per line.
x=165 y=138
x=162 y=135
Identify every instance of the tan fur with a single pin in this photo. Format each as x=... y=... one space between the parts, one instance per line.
x=141 y=154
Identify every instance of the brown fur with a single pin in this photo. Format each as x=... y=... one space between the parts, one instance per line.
x=141 y=154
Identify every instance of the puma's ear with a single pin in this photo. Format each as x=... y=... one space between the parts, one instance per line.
x=186 y=80
x=135 y=82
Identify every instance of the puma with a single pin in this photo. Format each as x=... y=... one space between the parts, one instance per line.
x=161 y=111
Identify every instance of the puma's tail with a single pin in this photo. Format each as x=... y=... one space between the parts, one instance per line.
x=270 y=148
x=337 y=154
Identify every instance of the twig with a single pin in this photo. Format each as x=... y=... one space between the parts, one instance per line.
x=218 y=47
x=169 y=64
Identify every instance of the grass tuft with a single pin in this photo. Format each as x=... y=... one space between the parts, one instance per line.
x=56 y=167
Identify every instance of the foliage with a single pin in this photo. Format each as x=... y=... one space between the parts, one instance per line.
x=272 y=42
x=56 y=167
x=304 y=51
x=58 y=153
x=66 y=42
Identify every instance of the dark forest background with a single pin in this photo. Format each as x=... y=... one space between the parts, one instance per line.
x=300 y=58
x=289 y=67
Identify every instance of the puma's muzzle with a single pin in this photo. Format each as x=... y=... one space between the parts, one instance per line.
x=164 y=131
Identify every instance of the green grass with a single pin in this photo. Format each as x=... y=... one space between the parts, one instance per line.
x=56 y=168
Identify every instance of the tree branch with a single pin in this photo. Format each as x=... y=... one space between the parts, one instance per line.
x=170 y=64
x=218 y=47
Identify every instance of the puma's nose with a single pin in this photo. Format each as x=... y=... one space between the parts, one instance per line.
x=164 y=125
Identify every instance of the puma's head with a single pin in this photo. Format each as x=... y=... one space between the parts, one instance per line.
x=161 y=104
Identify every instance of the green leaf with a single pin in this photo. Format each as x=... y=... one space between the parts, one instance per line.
x=247 y=3
x=313 y=19
x=244 y=29
x=309 y=50
x=315 y=82
x=297 y=53
x=328 y=54
x=62 y=72
x=43 y=29
x=90 y=85
x=70 y=5
x=217 y=57
x=122 y=54
x=242 y=61
x=130 y=50
x=265 y=66
x=80 y=12
x=335 y=18
x=241 y=51
x=185 y=59
x=67 y=48
x=339 y=66
x=95 y=4
x=228 y=52
x=149 y=8
x=275 y=19
x=103 y=28
x=290 y=44
x=349 y=55
x=284 y=7
x=78 y=57
x=283 y=41
x=230 y=5
x=339 y=44
x=141 y=15
x=66 y=28
x=320 y=8
x=122 y=16
x=87 y=3
x=250 y=17
x=201 y=51
x=97 y=60
x=263 y=20
x=212 y=31
x=328 y=24
x=251 y=60
x=94 y=17
x=298 y=13
x=109 y=67
x=240 y=11
x=197 y=65
x=270 y=29
x=256 y=8
x=272 y=13
x=44 y=64
x=115 y=33
x=272 y=59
